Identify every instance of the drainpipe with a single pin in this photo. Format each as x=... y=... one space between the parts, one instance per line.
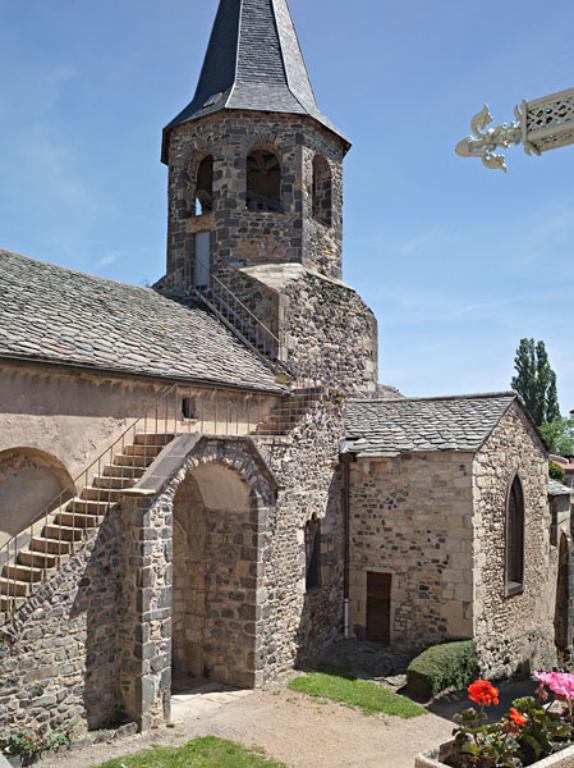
x=346 y=460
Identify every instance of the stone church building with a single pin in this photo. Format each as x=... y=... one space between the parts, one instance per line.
x=204 y=480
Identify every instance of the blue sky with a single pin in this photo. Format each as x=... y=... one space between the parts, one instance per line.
x=458 y=262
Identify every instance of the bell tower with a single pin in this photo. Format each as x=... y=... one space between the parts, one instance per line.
x=255 y=168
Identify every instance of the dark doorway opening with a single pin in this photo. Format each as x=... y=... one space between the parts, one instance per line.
x=379 y=607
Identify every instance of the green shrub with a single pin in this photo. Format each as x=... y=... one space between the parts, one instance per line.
x=556 y=472
x=450 y=665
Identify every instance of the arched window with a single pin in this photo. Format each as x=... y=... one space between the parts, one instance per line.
x=263 y=181
x=313 y=554
x=204 y=187
x=322 y=190
x=515 y=538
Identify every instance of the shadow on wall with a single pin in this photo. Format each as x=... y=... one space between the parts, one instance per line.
x=29 y=481
x=214 y=578
x=93 y=643
x=322 y=615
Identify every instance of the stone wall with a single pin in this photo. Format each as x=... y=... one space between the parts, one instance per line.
x=239 y=236
x=513 y=633
x=325 y=328
x=299 y=623
x=411 y=516
x=215 y=578
x=58 y=664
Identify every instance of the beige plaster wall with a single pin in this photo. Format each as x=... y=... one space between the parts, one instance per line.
x=513 y=633
x=29 y=480
x=71 y=417
x=411 y=516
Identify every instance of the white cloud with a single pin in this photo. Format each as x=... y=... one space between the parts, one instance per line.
x=108 y=259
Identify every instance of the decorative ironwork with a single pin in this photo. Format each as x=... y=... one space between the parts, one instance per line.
x=540 y=125
x=484 y=143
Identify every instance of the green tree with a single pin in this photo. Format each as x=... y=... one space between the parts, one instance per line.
x=535 y=381
x=559 y=435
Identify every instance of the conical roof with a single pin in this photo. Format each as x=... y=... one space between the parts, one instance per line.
x=254 y=62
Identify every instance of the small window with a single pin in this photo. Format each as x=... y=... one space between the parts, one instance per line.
x=322 y=191
x=204 y=187
x=263 y=181
x=515 y=521
x=313 y=554
x=188 y=408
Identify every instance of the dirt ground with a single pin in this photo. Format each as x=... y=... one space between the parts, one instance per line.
x=291 y=727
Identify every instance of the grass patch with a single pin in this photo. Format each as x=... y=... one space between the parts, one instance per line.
x=370 y=698
x=208 y=752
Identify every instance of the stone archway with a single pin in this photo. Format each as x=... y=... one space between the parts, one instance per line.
x=209 y=619
x=216 y=565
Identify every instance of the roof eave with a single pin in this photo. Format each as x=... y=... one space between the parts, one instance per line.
x=126 y=373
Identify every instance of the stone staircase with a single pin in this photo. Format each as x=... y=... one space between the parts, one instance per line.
x=56 y=537
x=289 y=412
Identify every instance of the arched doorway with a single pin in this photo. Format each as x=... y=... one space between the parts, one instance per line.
x=215 y=533
x=29 y=481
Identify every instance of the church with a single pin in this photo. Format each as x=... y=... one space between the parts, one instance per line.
x=205 y=479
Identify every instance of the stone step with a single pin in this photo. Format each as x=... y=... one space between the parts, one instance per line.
x=107 y=495
x=49 y=546
x=37 y=559
x=143 y=438
x=89 y=506
x=77 y=520
x=8 y=604
x=125 y=460
x=25 y=573
x=62 y=533
x=12 y=588
x=143 y=449
x=112 y=483
x=117 y=470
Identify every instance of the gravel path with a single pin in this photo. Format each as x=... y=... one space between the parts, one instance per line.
x=291 y=727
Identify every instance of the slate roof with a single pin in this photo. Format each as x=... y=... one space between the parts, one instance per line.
x=457 y=423
x=556 y=488
x=49 y=313
x=253 y=62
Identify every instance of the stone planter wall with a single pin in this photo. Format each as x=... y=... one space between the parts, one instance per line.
x=432 y=759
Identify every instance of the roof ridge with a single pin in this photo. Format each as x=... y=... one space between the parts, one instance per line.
x=436 y=398
x=51 y=265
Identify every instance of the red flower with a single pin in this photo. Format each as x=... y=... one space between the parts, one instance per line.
x=517 y=718
x=483 y=692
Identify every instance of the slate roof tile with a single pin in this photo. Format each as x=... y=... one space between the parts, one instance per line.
x=555 y=488
x=253 y=62
x=54 y=314
x=390 y=426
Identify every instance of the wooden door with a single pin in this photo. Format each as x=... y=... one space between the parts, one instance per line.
x=379 y=607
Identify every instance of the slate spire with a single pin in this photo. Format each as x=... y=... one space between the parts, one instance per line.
x=253 y=62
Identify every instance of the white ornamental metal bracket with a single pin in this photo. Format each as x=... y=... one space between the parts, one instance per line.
x=540 y=125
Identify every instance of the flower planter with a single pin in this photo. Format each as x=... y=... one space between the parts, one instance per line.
x=434 y=758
